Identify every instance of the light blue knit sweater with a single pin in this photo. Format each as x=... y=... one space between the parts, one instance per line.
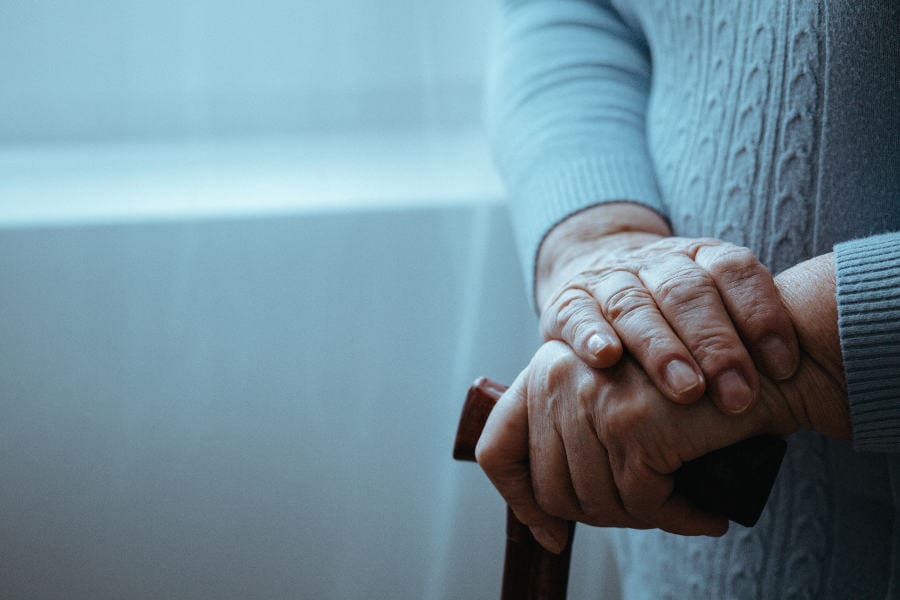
x=771 y=124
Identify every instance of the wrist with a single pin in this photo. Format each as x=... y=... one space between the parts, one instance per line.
x=576 y=244
x=816 y=394
x=808 y=293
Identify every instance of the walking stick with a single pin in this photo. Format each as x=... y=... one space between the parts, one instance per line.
x=734 y=481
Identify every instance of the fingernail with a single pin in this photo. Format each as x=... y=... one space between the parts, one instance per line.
x=596 y=344
x=546 y=540
x=681 y=377
x=777 y=357
x=733 y=392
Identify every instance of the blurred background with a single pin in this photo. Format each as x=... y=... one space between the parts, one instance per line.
x=251 y=256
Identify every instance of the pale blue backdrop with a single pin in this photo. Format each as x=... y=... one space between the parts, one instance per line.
x=251 y=256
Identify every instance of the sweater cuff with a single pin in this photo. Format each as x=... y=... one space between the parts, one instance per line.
x=868 y=301
x=565 y=187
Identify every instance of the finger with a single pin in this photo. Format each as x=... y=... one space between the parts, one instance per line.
x=570 y=468
x=599 y=501
x=503 y=454
x=575 y=318
x=679 y=515
x=550 y=477
x=637 y=428
x=689 y=300
x=649 y=439
x=650 y=496
x=630 y=308
x=749 y=294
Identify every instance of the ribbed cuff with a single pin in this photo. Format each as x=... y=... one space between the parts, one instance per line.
x=565 y=187
x=868 y=299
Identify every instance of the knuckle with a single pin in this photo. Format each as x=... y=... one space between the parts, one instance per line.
x=592 y=509
x=695 y=245
x=601 y=515
x=586 y=394
x=657 y=347
x=638 y=503
x=569 y=317
x=667 y=245
x=686 y=289
x=622 y=421
x=553 y=317
x=552 y=501
x=624 y=303
x=486 y=455
x=716 y=351
x=557 y=323
x=714 y=343
x=737 y=265
x=568 y=305
x=577 y=323
x=552 y=369
x=762 y=320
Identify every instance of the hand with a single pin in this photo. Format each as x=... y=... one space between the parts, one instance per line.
x=699 y=315
x=569 y=442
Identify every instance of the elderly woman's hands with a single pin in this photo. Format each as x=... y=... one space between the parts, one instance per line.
x=699 y=315
x=570 y=442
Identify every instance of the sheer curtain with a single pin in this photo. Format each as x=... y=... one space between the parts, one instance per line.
x=251 y=256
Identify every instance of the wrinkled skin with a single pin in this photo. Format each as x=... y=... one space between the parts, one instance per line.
x=699 y=315
x=571 y=441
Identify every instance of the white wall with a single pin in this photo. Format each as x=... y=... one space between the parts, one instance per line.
x=252 y=408
x=257 y=407
x=233 y=369
x=100 y=69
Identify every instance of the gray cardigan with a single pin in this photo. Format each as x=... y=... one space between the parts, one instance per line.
x=774 y=125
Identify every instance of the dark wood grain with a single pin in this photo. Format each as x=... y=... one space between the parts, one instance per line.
x=529 y=571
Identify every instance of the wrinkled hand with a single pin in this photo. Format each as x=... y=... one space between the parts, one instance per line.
x=569 y=442
x=699 y=315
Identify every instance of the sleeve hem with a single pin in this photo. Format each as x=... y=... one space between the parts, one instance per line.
x=868 y=301
x=566 y=187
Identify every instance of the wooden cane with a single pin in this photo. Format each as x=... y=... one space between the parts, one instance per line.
x=734 y=482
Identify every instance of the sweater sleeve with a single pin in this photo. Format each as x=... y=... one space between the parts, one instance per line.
x=566 y=114
x=868 y=300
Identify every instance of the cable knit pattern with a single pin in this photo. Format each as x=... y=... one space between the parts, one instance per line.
x=772 y=124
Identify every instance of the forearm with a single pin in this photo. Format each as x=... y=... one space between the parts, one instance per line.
x=567 y=94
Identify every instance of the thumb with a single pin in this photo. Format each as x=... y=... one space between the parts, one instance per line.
x=502 y=453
